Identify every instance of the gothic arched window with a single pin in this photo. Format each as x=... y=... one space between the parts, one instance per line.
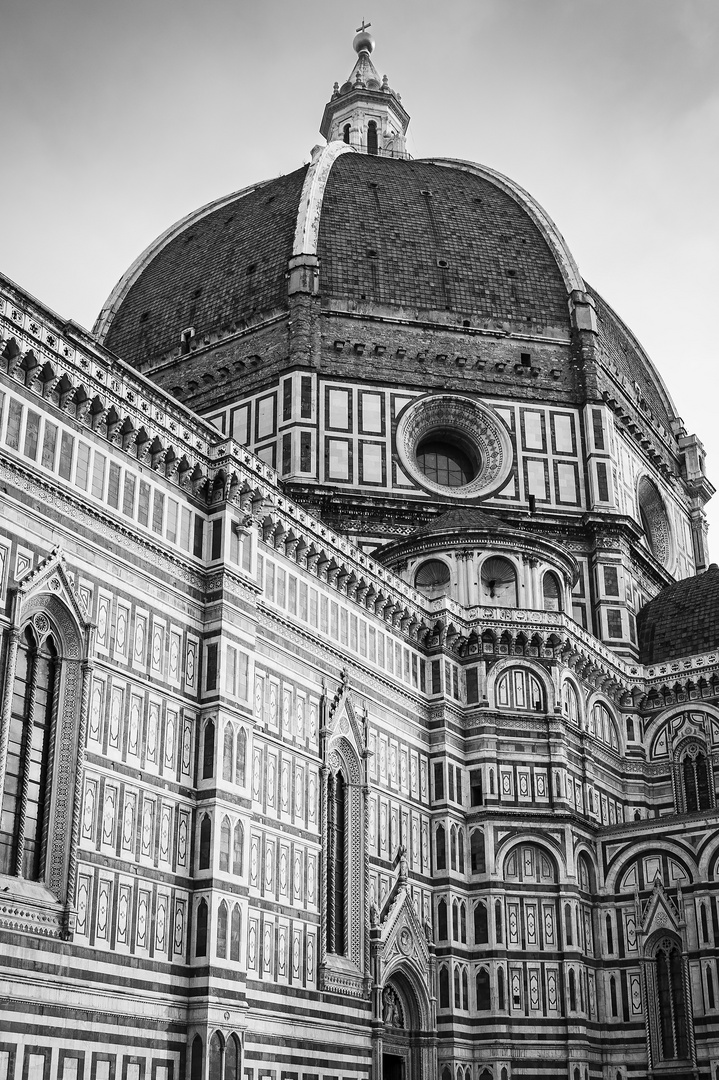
x=196 y=1059
x=232 y=1058
x=476 y=848
x=240 y=757
x=336 y=864
x=441 y=848
x=205 y=842
x=208 y=751
x=237 y=844
x=235 y=933
x=201 y=929
x=443 y=988
x=500 y=989
x=28 y=756
x=225 y=841
x=217 y=1045
x=481 y=928
x=222 y=930
x=346 y=133
x=696 y=793
x=484 y=997
x=227 y=752
x=668 y=1019
x=442 y=920
x=498 y=921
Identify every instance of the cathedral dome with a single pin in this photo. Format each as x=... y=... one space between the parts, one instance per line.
x=447 y=242
x=683 y=619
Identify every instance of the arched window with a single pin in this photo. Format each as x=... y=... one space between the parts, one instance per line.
x=222 y=930
x=372 y=137
x=500 y=990
x=228 y=753
x=460 y=850
x=584 y=873
x=201 y=929
x=232 y=1058
x=453 y=847
x=208 y=751
x=442 y=920
x=572 y=991
x=457 y=990
x=498 y=582
x=235 y=933
x=215 y=1062
x=463 y=922
x=443 y=988
x=710 y=989
x=205 y=842
x=570 y=702
x=613 y=996
x=432 y=578
x=196 y=1059
x=481 y=928
x=237 y=844
x=704 y=923
x=567 y=925
x=28 y=755
x=672 y=1041
x=519 y=689
x=241 y=757
x=465 y=989
x=346 y=133
x=336 y=864
x=602 y=725
x=610 y=934
x=455 y=920
x=498 y=921
x=476 y=845
x=630 y=729
x=225 y=840
x=441 y=848
x=551 y=592
x=696 y=789
x=484 y=997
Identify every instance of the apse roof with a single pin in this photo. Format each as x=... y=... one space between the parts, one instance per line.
x=463 y=518
x=682 y=620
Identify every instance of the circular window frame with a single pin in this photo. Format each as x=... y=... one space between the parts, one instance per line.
x=474 y=426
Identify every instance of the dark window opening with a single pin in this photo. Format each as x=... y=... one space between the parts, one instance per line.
x=445 y=464
x=346 y=133
x=372 y=137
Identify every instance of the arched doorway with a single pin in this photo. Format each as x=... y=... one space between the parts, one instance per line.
x=405 y=1039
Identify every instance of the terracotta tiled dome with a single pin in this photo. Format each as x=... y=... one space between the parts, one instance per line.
x=683 y=619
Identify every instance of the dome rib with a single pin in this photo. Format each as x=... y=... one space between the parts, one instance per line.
x=565 y=260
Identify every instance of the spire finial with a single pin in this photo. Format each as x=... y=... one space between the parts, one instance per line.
x=363 y=41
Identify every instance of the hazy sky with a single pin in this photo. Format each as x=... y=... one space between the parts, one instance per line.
x=119 y=118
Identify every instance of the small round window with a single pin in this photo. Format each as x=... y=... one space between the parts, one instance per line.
x=432 y=578
x=454 y=445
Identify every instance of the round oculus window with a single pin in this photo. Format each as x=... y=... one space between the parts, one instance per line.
x=454 y=445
